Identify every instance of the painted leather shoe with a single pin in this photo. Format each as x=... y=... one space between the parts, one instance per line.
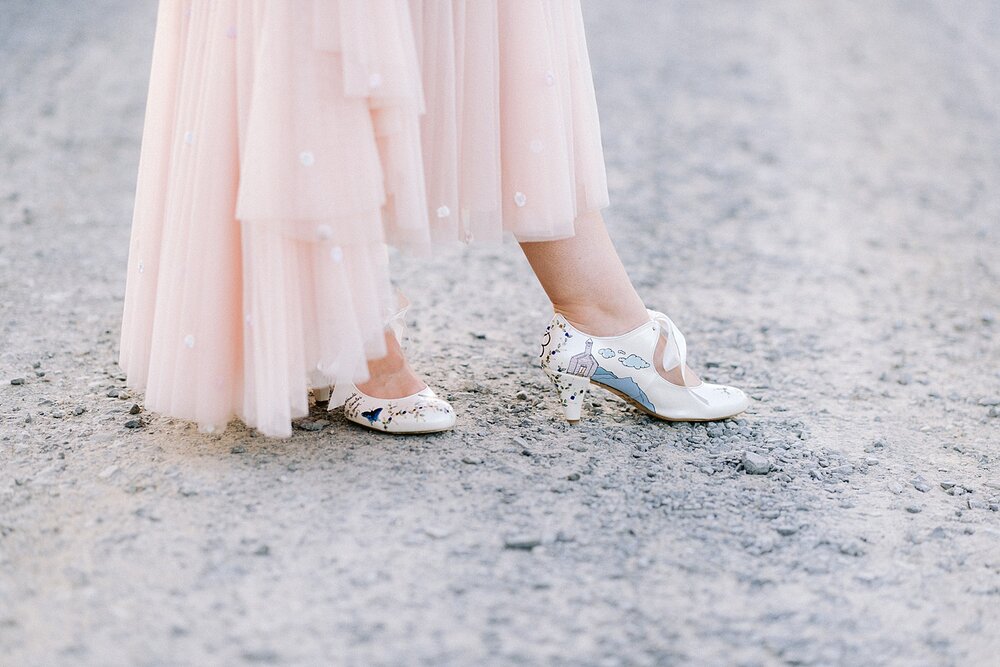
x=422 y=412
x=624 y=365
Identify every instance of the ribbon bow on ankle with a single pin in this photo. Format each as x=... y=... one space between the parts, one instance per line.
x=675 y=353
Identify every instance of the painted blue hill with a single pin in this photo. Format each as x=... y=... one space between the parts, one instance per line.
x=626 y=386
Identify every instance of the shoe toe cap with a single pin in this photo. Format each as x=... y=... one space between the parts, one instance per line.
x=428 y=414
x=727 y=401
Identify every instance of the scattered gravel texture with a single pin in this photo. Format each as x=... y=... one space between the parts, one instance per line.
x=808 y=189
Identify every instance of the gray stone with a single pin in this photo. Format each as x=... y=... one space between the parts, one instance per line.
x=921 y=484
x=134 y=423
x=313 y=425
x=522 y=542
x=108 y=472
x=852 y=548
x=17 y=381
x=755 y=464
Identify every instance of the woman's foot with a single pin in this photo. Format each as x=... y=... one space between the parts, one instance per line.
x=391 y=375
x=624 y=317
x=395 y=399
x=645 y=365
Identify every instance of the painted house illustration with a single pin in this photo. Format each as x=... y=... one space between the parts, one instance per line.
x=583 y=363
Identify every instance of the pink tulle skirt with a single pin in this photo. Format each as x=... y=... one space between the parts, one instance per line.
x=287 y=142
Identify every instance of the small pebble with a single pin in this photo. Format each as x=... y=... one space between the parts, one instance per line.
x=113 y=393
x=108 y=472
x=472 y=460
x=913 y=509
x=920 y=484
x=133 y=423
x=525 y=543
x=17 y=381
x=135 y=409
x=79 y=410
x=238 y=449
x=317 y=425
x=755 y=464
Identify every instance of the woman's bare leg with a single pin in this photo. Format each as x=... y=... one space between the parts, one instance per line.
x=586 y=282
x=584 y=279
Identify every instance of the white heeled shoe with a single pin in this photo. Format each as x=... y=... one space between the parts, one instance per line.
x=422 y=412
x=624 y=365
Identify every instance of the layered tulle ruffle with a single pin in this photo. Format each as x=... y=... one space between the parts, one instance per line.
x=286 y=143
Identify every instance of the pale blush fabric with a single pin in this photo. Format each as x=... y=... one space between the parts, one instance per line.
x=287 y=142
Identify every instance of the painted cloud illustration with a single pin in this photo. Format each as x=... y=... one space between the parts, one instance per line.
x=607 y=353
x=634 y=361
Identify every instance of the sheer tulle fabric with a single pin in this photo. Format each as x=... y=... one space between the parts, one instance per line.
x=286 y=143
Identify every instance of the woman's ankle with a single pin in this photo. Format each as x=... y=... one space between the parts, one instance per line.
x=603 y=321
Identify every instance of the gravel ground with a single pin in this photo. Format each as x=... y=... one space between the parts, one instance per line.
x=809 y=189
